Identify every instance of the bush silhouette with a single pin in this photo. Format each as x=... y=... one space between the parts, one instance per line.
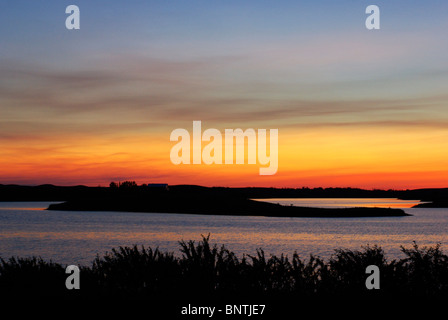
x=205 y=271
x=32 y=277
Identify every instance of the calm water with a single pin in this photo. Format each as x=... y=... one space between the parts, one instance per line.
x=76 y=237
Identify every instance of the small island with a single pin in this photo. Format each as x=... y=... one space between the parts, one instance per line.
x=204 y=201
x=435 y=204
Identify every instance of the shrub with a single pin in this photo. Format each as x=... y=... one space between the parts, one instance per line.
x=207 y=271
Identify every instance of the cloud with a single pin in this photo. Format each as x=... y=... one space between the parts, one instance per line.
x=122 y=92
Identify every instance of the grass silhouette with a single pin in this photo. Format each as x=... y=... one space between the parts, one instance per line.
x=205 y=271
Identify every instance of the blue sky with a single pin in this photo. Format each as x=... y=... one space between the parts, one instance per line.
x=236 y=50
x=115 y=24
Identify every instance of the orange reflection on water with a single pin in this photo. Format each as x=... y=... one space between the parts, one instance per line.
x=345 y=202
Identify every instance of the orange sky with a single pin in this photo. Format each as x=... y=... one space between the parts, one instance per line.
x=317 y=157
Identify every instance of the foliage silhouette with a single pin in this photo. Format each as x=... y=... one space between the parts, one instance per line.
x=205 y=271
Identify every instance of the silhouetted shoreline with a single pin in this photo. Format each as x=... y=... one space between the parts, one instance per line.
x=435 y=204
x=96 y=198
x=205 y=201
x=230 y=207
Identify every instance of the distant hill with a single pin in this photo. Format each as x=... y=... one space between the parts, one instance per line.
x=437 y=197
x=49 y=192
x=207 y=201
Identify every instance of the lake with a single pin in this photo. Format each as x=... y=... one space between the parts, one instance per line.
x=76 y=237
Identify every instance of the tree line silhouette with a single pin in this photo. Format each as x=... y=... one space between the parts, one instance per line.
x=61 y=193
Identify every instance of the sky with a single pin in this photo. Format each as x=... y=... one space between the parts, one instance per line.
x=354 y=107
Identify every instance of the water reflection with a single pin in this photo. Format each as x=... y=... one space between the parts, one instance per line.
x=76 y=237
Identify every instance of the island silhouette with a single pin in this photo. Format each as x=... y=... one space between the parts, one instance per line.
x=192 y=199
